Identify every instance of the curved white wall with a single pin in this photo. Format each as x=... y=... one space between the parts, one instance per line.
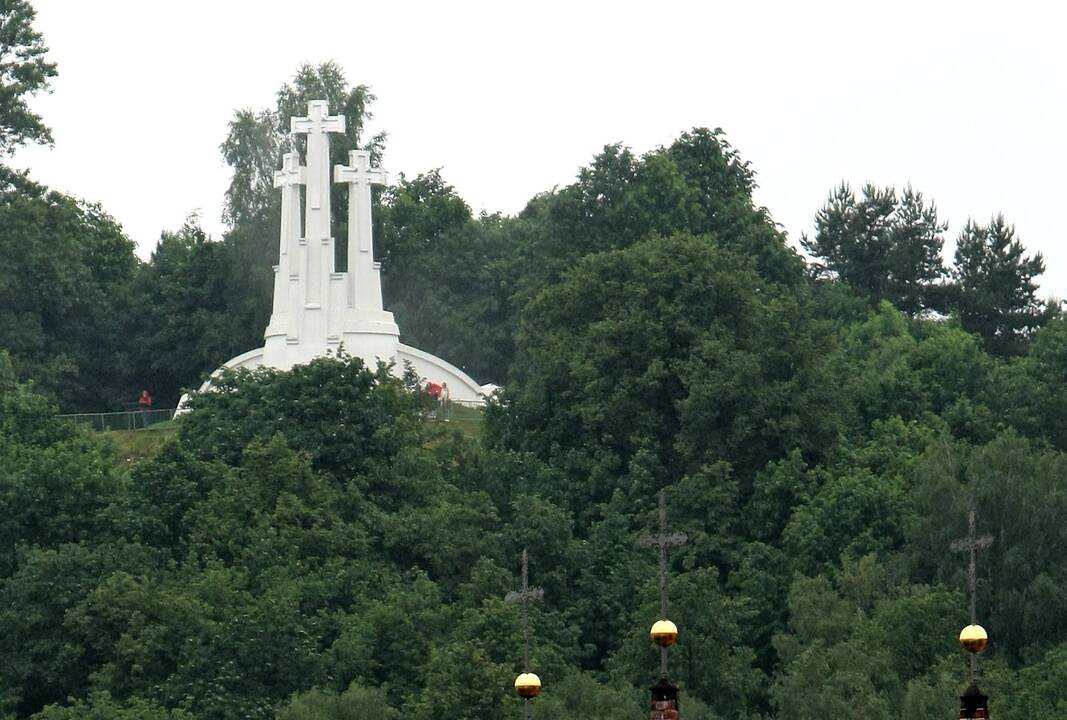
x=460 y=385
x=429 y=367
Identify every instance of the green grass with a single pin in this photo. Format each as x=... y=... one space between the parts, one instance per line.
x=131 y=447
x=469 y=421
x=134 y=446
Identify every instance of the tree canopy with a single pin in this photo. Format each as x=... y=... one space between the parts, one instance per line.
x=313 y=543
x=24 y=72
x=884 y=246
x=996 y=284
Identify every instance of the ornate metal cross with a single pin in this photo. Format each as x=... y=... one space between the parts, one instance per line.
x=663 y=541
x=971 y=544
x=523 y=596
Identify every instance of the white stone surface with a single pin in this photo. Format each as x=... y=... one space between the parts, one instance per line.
x=318 y=310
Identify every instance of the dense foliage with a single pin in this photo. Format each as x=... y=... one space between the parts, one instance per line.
x=65 y=294
x=24 y=72
x=310 y=545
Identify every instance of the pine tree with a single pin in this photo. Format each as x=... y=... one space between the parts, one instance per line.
x=885 y=247
x=996 y=288
x=23 y=72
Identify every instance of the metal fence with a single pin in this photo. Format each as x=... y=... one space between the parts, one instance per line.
x=141 y=419
x=455 y=409
x=125 y=420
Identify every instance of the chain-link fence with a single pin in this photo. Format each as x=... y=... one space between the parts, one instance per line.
x=125 y=420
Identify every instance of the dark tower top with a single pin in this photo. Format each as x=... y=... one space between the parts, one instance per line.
x=664 y=700
x=974 y=704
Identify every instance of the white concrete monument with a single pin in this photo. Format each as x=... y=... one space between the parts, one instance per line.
x=318 y=310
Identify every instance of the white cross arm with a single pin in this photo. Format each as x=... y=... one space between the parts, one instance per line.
x=290 y=176
x=348 y=174
x=328 y=124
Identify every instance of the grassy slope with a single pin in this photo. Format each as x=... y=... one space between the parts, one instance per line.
x=134 y=446
x=468 y=421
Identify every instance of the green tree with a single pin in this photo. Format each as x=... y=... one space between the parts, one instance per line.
x=579 y=695
x=1028 y=392
x=55 y=480
x=186 y=323
x=722 y=184
x=996 y=286
x=884 y=246
x=24 y=72
x=355 y=703
x=1012 y=483
x=649 y=363
x=447 y=275
x=65 y=297
x=251 y=149
x=345 y=415
x=1036 y=690
x=698 y=185
x=864 y=644
x=709 y=659
x=101 y=706
x=42 y=660
x=893 y=365
x=257 y=139
x=463 y=684
x=861 y=505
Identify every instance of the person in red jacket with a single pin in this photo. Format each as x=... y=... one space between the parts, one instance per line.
x=145 y=404
x=434 y=391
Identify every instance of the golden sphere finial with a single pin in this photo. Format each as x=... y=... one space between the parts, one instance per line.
x=528 y=685
x=664 y=633
x=973 y=638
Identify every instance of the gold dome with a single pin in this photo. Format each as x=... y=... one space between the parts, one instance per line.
x=528 y=685
x=664 y=633
x=973 y=638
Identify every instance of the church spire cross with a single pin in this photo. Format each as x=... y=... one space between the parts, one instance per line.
x=972 y=544
x=524 y=596
x=662 y=541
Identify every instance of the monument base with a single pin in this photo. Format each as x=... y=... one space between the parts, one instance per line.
x=370 y=348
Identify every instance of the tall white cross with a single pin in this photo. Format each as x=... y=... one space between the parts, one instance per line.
x=292 y=172
x=289 y=179
x=360 y=176
x=317 y=126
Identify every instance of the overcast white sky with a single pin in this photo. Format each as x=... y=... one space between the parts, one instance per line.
x=964 y=100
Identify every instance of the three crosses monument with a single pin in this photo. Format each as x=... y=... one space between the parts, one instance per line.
x=318 y=310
